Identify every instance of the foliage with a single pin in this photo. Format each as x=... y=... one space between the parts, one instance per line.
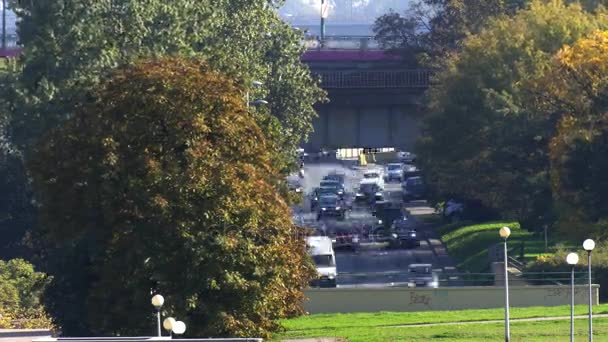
x=437 y=28
x=483 y=138
x=469 y=245
x=557 y=263
x=21 y=289
x=163 y=182
x=68 y=47
x=574 y=92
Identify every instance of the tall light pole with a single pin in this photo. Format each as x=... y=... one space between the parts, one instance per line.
x=504 y=233
x=572 y=260
x=324 y=13
x=589 y=245
x=158 y=302
x=4 y=24
x=255 y=84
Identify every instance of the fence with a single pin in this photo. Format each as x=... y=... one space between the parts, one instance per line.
x=375 y=79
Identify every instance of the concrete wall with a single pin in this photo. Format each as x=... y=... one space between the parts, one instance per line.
x=449 y=298
x=371 y=126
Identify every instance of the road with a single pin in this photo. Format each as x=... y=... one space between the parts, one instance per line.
x=375 y=265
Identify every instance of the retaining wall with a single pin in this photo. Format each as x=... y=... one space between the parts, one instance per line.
x=345 y=300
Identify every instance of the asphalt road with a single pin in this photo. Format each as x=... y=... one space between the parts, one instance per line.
x=374 y=265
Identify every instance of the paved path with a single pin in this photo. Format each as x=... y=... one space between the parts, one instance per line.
x=512 y=320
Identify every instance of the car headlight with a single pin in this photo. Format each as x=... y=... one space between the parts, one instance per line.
x=340 y=192
x=323 y=209
x=331 y=276
x=379 y=221
x=378 y=194
x=358 y=194
x=298 y=190
x=316 y=198
x=338 y=208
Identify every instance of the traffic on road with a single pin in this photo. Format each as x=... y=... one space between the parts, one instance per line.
x=364 y=225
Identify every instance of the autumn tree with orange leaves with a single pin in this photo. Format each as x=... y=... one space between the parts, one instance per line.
x=163 y=183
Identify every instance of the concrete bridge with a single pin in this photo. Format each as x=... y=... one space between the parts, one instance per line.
x=374 y=100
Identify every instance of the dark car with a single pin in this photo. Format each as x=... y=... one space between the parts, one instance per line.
x=331 y=206
x=336 y=176
x=319 y=192
x=413 y=188
x=370 y=192
x=337 y=186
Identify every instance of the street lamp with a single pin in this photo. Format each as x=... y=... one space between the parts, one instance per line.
x=179 y=328
x=157 y=302
x=255 y=84
x=168 y=324
x=589 y=245
x=572 y=260
x=504 y=233
x=324 y=15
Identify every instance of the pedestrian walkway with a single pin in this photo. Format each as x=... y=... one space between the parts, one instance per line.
x=512 y=320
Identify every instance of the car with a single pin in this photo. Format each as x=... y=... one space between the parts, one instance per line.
x=320 y=249
x=336 y=185
x=413 y=188
x=319 y=192
x=331 y=206
x=336 y=176
x=374 y=175
x=410 y=170
x=369 y=191
x=394 y=171
x=294 y=183
x=406 y=157
x=422 y=275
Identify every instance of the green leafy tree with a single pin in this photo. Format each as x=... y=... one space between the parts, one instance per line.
x=70 y=46
x=483 y=138
x=432 y=29
x=163 y=182
x=574 y=91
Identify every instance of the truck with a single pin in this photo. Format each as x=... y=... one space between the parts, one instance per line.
x=322 y=253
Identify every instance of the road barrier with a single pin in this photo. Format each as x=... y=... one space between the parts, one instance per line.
x=347 y=300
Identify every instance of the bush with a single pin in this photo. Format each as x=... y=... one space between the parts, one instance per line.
x=557 y=263
x=21 y=288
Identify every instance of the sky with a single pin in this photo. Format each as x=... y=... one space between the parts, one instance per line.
x=307 y=12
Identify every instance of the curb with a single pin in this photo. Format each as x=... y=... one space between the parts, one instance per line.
x=6 y=333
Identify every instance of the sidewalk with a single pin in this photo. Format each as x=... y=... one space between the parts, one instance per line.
x=512 y=320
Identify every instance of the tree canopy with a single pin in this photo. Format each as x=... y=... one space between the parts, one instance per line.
x=484 y=138
x=162 y=181
x=68 y=47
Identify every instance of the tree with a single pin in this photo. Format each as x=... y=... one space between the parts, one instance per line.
x=70 y=46
x=574 y=91
x=433 y=29
x=163 y=181
x=483 y=138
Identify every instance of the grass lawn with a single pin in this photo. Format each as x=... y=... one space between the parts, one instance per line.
x=385 y=326
x=469 y=244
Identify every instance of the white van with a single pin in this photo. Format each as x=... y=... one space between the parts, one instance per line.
x=322 y=253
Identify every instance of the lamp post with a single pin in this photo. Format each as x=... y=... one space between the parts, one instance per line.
x=255 y=84
x=158 y=302
x=179 y=328
x=589 y=245
x=168 y=324
x=324 y=14
x=504 y=233
x=572 y=260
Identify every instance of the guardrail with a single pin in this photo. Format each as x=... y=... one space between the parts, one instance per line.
x=341 y=42
x=417 y=78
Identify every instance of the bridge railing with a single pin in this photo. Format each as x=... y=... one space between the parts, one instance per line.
x=341 y=43
x=419 y=78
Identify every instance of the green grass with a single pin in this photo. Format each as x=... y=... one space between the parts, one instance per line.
x=468 y=243
x=388 y=326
